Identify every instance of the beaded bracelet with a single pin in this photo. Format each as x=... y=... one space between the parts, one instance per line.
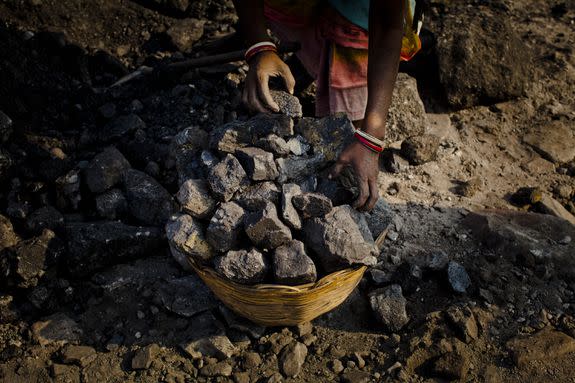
x=259 y=47
x=372 y=143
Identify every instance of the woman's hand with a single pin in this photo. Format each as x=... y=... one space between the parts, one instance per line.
x=256 y=94
x=365 y=163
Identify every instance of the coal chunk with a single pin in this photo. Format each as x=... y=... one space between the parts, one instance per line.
x=105 y=170
x=8 y=237
x=255 y=197
x=195 y=199
x=258 y=164
x=111 y=204
x=120 y=127
x=288 y=104
x=227 y=177
x=312 y=204
x=5 y=127
x=289 y=213
x=265 y=229
x=46 y=217
x=226 y=226
x=186 y=235
x=298 y=168
x=242 y=266
x=292 y=266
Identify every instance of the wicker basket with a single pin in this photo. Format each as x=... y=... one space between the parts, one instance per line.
x=277 y=305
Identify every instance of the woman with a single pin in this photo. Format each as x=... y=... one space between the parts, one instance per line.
x=352 y=49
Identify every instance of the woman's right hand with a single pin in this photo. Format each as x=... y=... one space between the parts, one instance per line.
x=256 y=94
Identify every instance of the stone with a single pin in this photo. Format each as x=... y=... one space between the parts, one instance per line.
x=227 y=177
x=243 y=266
x=24 y=264
x=258 y=164
x=255 y=197
x=545 y=345
x=8 y=237
x=111 y=204
x=452 y=366
x=393 y=162
x=5 y=127
x=463 y=322
x=105 y=170
x=57 y=329
x=195 y=199
x=8 y=313
x=458 y=278
x=389 y=307
x=225 y=227
x=338 y=241
x=216 y=346
x=119 y=127
x=471 y=71
x=420 y=149
x=46 y=217
x=264 y=124
x=292 y=266
x=555 y=141
x=289 y=213
x=241 y=377
x=144 y=357
x=186 y=235
x=229 y=137
x=298 y=168
x=68 y=194
x=241 y=324
x=62 y=372
x=436 y=260
x=186 y=296
x=538 y=166
x=216 y=369
x=335 y=191
x=252 y=360
x=328 y=136
x=406 y=116
x=288 y=104
x=79 y=355
x=94 y=246
x=355 y=376
x=337 y=366
x=148 y=201
x=303 y=329
x=292 y=359
x=312 y=205
x=275 y=144
x=549 y=205
x=379 y=218
x=380 y=277
x=298 y=145
x=183 y=33
x=470 y=187
x=265 y=229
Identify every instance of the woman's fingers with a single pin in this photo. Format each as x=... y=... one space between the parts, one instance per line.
x=264 y=92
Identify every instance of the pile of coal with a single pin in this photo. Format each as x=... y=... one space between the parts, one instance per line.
x=255 y=205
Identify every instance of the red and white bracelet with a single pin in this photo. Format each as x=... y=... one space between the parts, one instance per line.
x=260 y=47
x=372 y=143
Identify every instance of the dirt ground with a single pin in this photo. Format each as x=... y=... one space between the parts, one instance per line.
x=57 y=59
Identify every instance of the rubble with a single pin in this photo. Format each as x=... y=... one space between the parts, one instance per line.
x=58 y=329
x=420 y=149
x=292 y=266
x=389 y=307
x=144 y=357
x=297 y=168
x=226 y=178
x=289 y=213
x=258 y=164
x=195 y=199
x=312 y=205
x=292 y=358
x=255 y=197
x=288 y=104
x=187 y=235
x=265 y=229
x=216 y=346
x=225 y=227
x=242 y=266
x=275 y=144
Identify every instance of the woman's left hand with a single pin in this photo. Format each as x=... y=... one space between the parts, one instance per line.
x=365 y=163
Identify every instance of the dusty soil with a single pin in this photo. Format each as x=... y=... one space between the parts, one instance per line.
x=57 y=60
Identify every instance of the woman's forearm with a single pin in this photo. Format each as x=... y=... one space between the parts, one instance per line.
x=385 y=34
x=252 y=20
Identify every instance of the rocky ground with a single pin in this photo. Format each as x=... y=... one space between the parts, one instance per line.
x=475 y=280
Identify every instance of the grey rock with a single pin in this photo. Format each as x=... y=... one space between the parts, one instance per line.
x=289 y=213
x=119 y=127
x=265 y=229
x=380 y=277
x=192 y=138
x=298 y=145
x=8 y=237
x=242 y=266
x=225 y=227
x=338 y=241
x=148 y=201
x=93 y=246
x=436 y=260
x=470 y=69
x=144 y=357
x=186 y=296
x=292 y=266
x=185 y=32
x=288 y=104
x=389 y=307
x=186 y=235
x=420 y=149
x=258 y=164
x=208 y=159
x=275 y=144
x=312 y=205
x=5 y=127
x=264 y=124
x=195 y=199
x=292 y=359
x=555 y=141
x=255 y=197
x=328 y=136
x=458 y=277
x=406 y=116
x=298 y=168
x=111 y=204
x=46 y=217
x=216 y=346
x=57 y=329
x=105 y=170
x=379 y=218
x=227 y=177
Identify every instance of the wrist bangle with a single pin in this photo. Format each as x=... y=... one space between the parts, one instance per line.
x=374 y=147
x=259 y=47
x=369 y=137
